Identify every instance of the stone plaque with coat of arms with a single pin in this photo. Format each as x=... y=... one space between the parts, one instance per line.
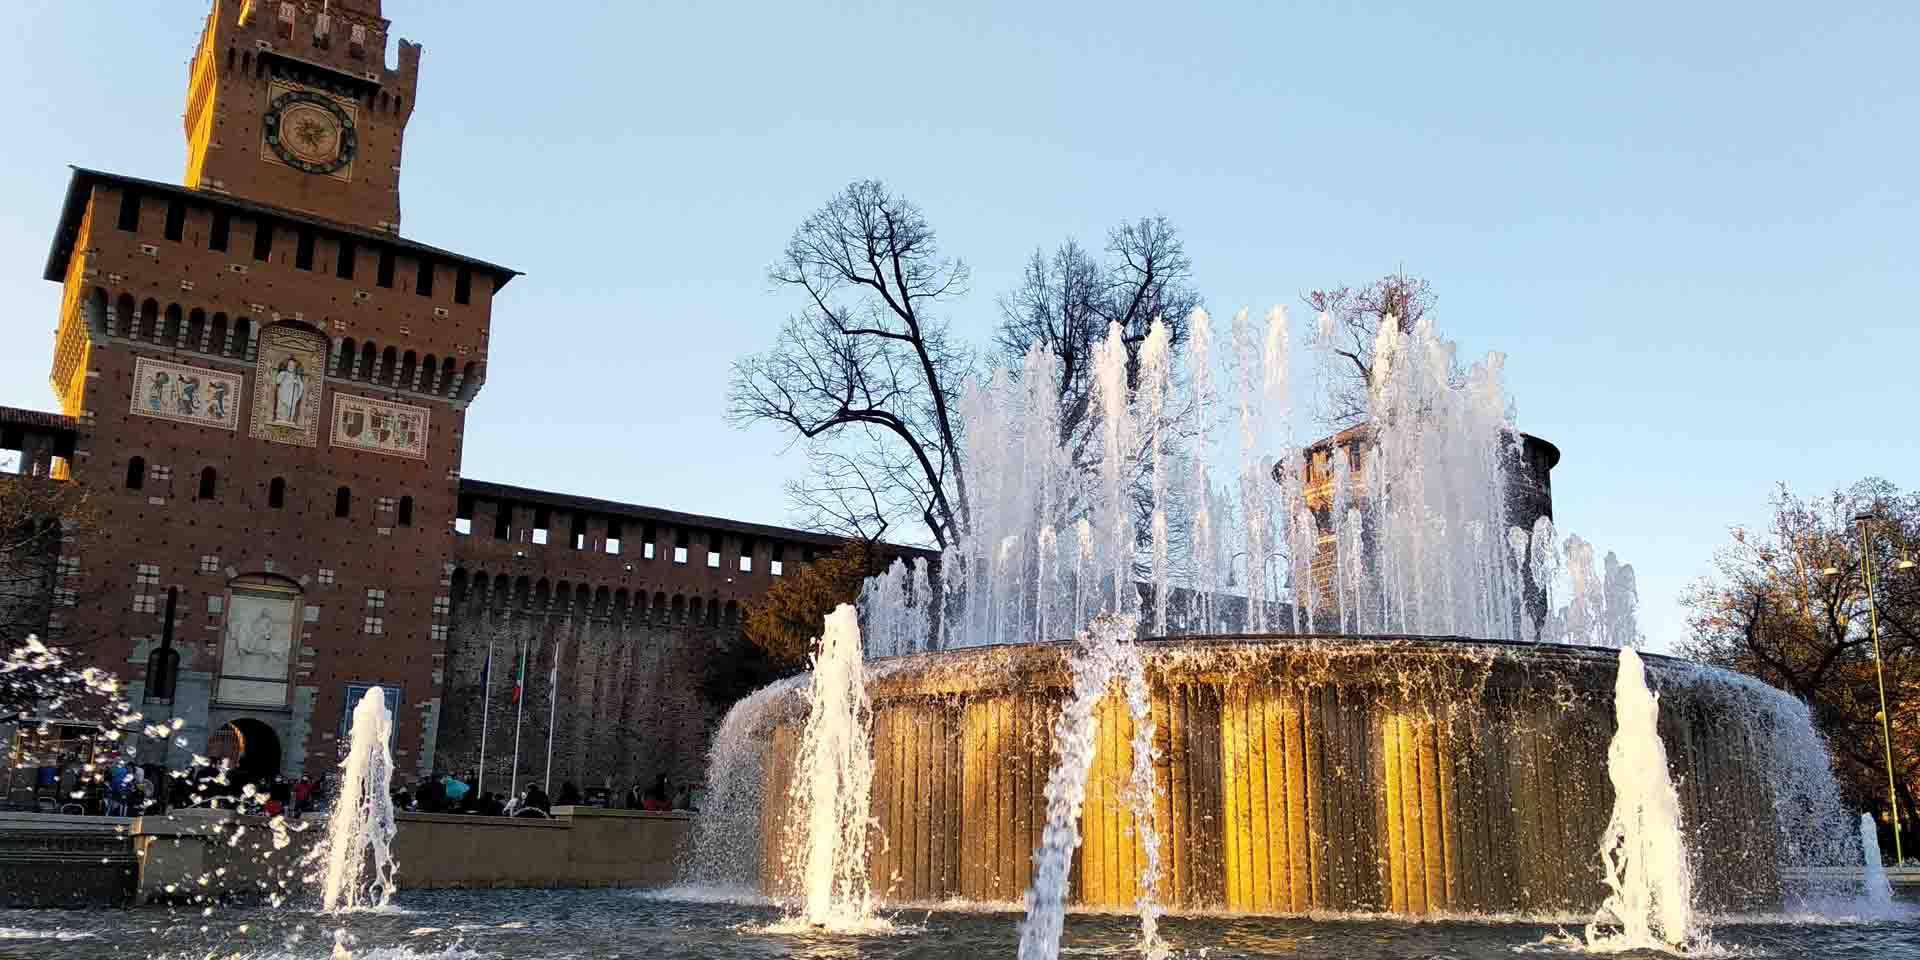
x=382 y=426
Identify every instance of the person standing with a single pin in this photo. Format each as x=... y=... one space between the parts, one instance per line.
x=302 y=795
x=456 y=790
x=656 y=799
x=119 y=783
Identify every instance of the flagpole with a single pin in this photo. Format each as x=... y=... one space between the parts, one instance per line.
x=553 y=706
x=486 y=701
x=519 y=707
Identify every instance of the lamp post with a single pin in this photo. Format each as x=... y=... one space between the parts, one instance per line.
x=1864 y=518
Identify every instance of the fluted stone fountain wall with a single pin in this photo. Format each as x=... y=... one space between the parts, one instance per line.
x=1411 y=776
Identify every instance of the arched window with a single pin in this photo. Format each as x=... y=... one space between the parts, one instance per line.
x=342 y=502
x=406 y=511
x=136 y=473
x=277 y=493
x=208 y=480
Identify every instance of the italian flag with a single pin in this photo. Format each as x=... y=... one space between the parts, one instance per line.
x=520 y=676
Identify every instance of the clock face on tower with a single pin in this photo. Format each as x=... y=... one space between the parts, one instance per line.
x=308 y=131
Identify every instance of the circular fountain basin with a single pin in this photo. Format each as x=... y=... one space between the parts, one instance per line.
x=1403 y=775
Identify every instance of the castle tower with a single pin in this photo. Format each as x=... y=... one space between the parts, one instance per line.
x=293 y=104
x=268 y=388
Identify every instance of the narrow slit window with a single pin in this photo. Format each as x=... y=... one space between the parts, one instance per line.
x=303 y=251
x=277 y=493
x=423 y=278
x=136 y=473
x=176 y=219
x=385 y=278
x=343 y=259
x=405 y=518
x=209 y=482
x=129 y=211
x=217 y=237
x=262 y=240
x=463 y=285
x=342 y=502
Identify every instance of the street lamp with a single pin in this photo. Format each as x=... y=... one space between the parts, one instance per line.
x=1863 y=518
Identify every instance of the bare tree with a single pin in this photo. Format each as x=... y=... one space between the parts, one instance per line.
x=1788 y=604
x=39 y=519
x=1065 y=303
x=1357 y=315
x=865 y=376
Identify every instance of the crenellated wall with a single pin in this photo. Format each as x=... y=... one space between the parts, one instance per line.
x=622 y=609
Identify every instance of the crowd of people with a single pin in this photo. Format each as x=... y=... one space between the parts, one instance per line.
x=446 y=793
x=137 y=790
x=133 y=790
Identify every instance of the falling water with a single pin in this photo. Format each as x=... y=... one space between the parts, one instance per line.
x=896 y=609
x=1412 y=506
x=1140 y=797
x=1119 y=451
x=725 y=853
x=832 y=783
x=1256 y=478
x=1876 y=891
x=1643 y=852
x=1155 y=359
x=1202 y=542
x=1105 y=652
x=362 y=822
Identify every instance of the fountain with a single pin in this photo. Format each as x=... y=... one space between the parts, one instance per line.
x=355 y=859
x=1876 y=892
x=1419 y=741
x=1643 y=852
x=1106 y=654
x=832 y=784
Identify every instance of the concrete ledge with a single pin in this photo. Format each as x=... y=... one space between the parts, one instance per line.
x=461 y=819
x=22 y=822
x=1897 y=876
x=571 y=811
x=195 y=855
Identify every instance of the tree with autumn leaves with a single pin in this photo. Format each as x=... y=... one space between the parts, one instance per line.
x=777 y=637
x=1788 y=604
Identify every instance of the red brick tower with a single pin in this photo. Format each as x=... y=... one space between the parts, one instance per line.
x=269 y=388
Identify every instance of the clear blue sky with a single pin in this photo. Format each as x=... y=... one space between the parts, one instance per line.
x=1691 y=226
